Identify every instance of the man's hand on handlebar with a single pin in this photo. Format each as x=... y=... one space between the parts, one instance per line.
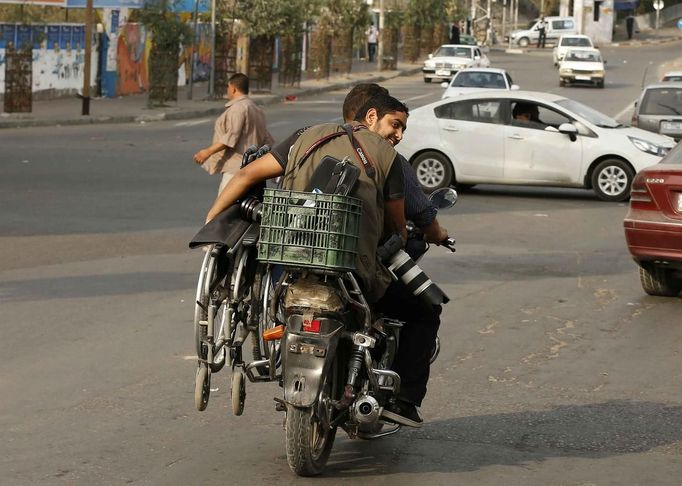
x=435 y=233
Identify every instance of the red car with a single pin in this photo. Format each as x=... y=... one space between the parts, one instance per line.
x=653 y=226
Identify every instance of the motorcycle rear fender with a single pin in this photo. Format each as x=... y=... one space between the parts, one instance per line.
x=307 y=358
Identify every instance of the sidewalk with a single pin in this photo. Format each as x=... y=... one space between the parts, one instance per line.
x=133 y=109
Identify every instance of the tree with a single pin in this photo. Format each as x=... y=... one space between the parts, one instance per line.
x=168 y=31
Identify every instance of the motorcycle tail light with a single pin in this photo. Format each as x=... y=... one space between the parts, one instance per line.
x=273 y=334
x=311 y=325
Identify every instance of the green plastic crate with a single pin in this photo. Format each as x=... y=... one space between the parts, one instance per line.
x=309 y=230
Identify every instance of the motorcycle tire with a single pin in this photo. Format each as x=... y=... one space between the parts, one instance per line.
x=308 y=445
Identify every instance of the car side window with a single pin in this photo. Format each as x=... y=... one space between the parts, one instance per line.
x=509 y=79
x=552 y=117
x=481 y=111
x=526 y=114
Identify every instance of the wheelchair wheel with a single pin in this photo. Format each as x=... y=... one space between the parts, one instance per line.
x=238 y=391
x=202 y=387
x=207 y=275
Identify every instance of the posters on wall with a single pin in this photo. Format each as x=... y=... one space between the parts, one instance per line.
x=52 y=3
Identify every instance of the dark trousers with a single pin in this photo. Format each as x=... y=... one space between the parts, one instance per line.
x=417 y=339
x=541 y=38
x=371 y=50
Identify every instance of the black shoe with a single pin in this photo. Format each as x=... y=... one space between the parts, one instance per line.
x=403 y=413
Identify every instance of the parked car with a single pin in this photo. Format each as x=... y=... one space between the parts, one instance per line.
x=477 y=79
x=581 y=65
x=672 y=76
x=659 y=109
x=467 y=40
x=566 y=42
x=450 y=58
x=653 y=225
x=474 y=139
x=556 y=27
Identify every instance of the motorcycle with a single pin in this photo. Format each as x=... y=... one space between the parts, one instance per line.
x=313 y=329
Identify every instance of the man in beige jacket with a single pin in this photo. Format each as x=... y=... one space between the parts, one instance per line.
x=241 y=125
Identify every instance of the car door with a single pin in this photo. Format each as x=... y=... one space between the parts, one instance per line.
x=536 y=153
x=471 y=131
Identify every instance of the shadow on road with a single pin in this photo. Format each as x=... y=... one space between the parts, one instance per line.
x=517 y=439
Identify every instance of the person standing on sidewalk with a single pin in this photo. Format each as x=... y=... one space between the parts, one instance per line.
x=372 y=39
x=542 y=32
x=454 y=33
x=241 y=125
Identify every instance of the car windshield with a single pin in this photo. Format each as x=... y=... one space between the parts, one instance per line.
x=448 y=51
x=583 y=56
x=674 y=157
x=662 y=101
x=532 y=24
x=473 y=79
x=589 y=114
x=673 y=78
x=576 y=42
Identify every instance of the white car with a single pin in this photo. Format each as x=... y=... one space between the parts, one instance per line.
x=672 y=77
x=473 y=139
x=477 y=79
x=568 y=41
x=581 y=65
x=450 y=58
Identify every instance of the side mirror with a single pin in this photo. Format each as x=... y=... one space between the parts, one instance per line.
x=430 y=56
x=515 y=87
x=570 y=130
x=444 y=198
x=444 y=84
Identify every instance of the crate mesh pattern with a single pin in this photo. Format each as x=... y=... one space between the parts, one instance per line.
x=309 y=230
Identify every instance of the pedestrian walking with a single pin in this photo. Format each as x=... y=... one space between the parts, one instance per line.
x=630 y=25
x=241 y=125
x=454 y=33
x=372 y=39
x=542 y=32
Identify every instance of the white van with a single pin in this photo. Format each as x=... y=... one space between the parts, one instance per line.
x=556 y=27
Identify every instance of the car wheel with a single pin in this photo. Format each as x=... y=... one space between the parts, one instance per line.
x=658 y=281
x=434 y=171
x=600 y=84
x=427 y=80
x=523 y=42
x=611 y=180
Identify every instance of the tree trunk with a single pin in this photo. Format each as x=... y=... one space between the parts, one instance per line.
x=412 y=34
x=342 y=51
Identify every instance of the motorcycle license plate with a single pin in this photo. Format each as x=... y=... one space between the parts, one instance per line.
x=443 y=72
x=582 y=78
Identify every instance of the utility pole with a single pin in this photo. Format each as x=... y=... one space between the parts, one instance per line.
x=88 y=55
x=211 y=77
x=380 y=53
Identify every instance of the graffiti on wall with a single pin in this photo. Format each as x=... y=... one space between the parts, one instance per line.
x=132 y=52
x=58 y=55
x=202 y=56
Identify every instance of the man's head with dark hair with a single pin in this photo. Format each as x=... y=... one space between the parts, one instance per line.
x=525 y=111
x=358 y=96
x=238 y=82
x=386 y=116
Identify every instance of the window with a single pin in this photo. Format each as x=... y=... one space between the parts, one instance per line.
x=526 y=114
x=662 y=101
x=477 y=79
x=562 y=24
x=597 y=9
x=509 y=80
x=481 y=111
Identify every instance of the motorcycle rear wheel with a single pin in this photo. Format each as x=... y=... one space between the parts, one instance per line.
x=309 y=443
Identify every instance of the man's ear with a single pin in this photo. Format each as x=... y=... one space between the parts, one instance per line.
x=371 y=117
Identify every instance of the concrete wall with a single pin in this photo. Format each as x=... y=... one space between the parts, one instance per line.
x=601 y=30
x=648 y=21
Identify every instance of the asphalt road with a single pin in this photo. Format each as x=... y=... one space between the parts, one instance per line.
x=556 y=368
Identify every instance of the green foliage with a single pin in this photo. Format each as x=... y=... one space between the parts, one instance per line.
x=425 y=13
x=275 y=17
x=166 y=27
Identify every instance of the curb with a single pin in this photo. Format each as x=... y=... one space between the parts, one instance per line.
x=198 y=113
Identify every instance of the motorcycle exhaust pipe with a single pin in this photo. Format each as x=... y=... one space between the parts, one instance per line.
x=365 y=409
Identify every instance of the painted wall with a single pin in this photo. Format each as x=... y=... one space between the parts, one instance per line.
x=601 y=30
x=58 y=55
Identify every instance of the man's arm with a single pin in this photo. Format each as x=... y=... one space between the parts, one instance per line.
x=201 y=156
x=394 y=218
x=259 y=170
